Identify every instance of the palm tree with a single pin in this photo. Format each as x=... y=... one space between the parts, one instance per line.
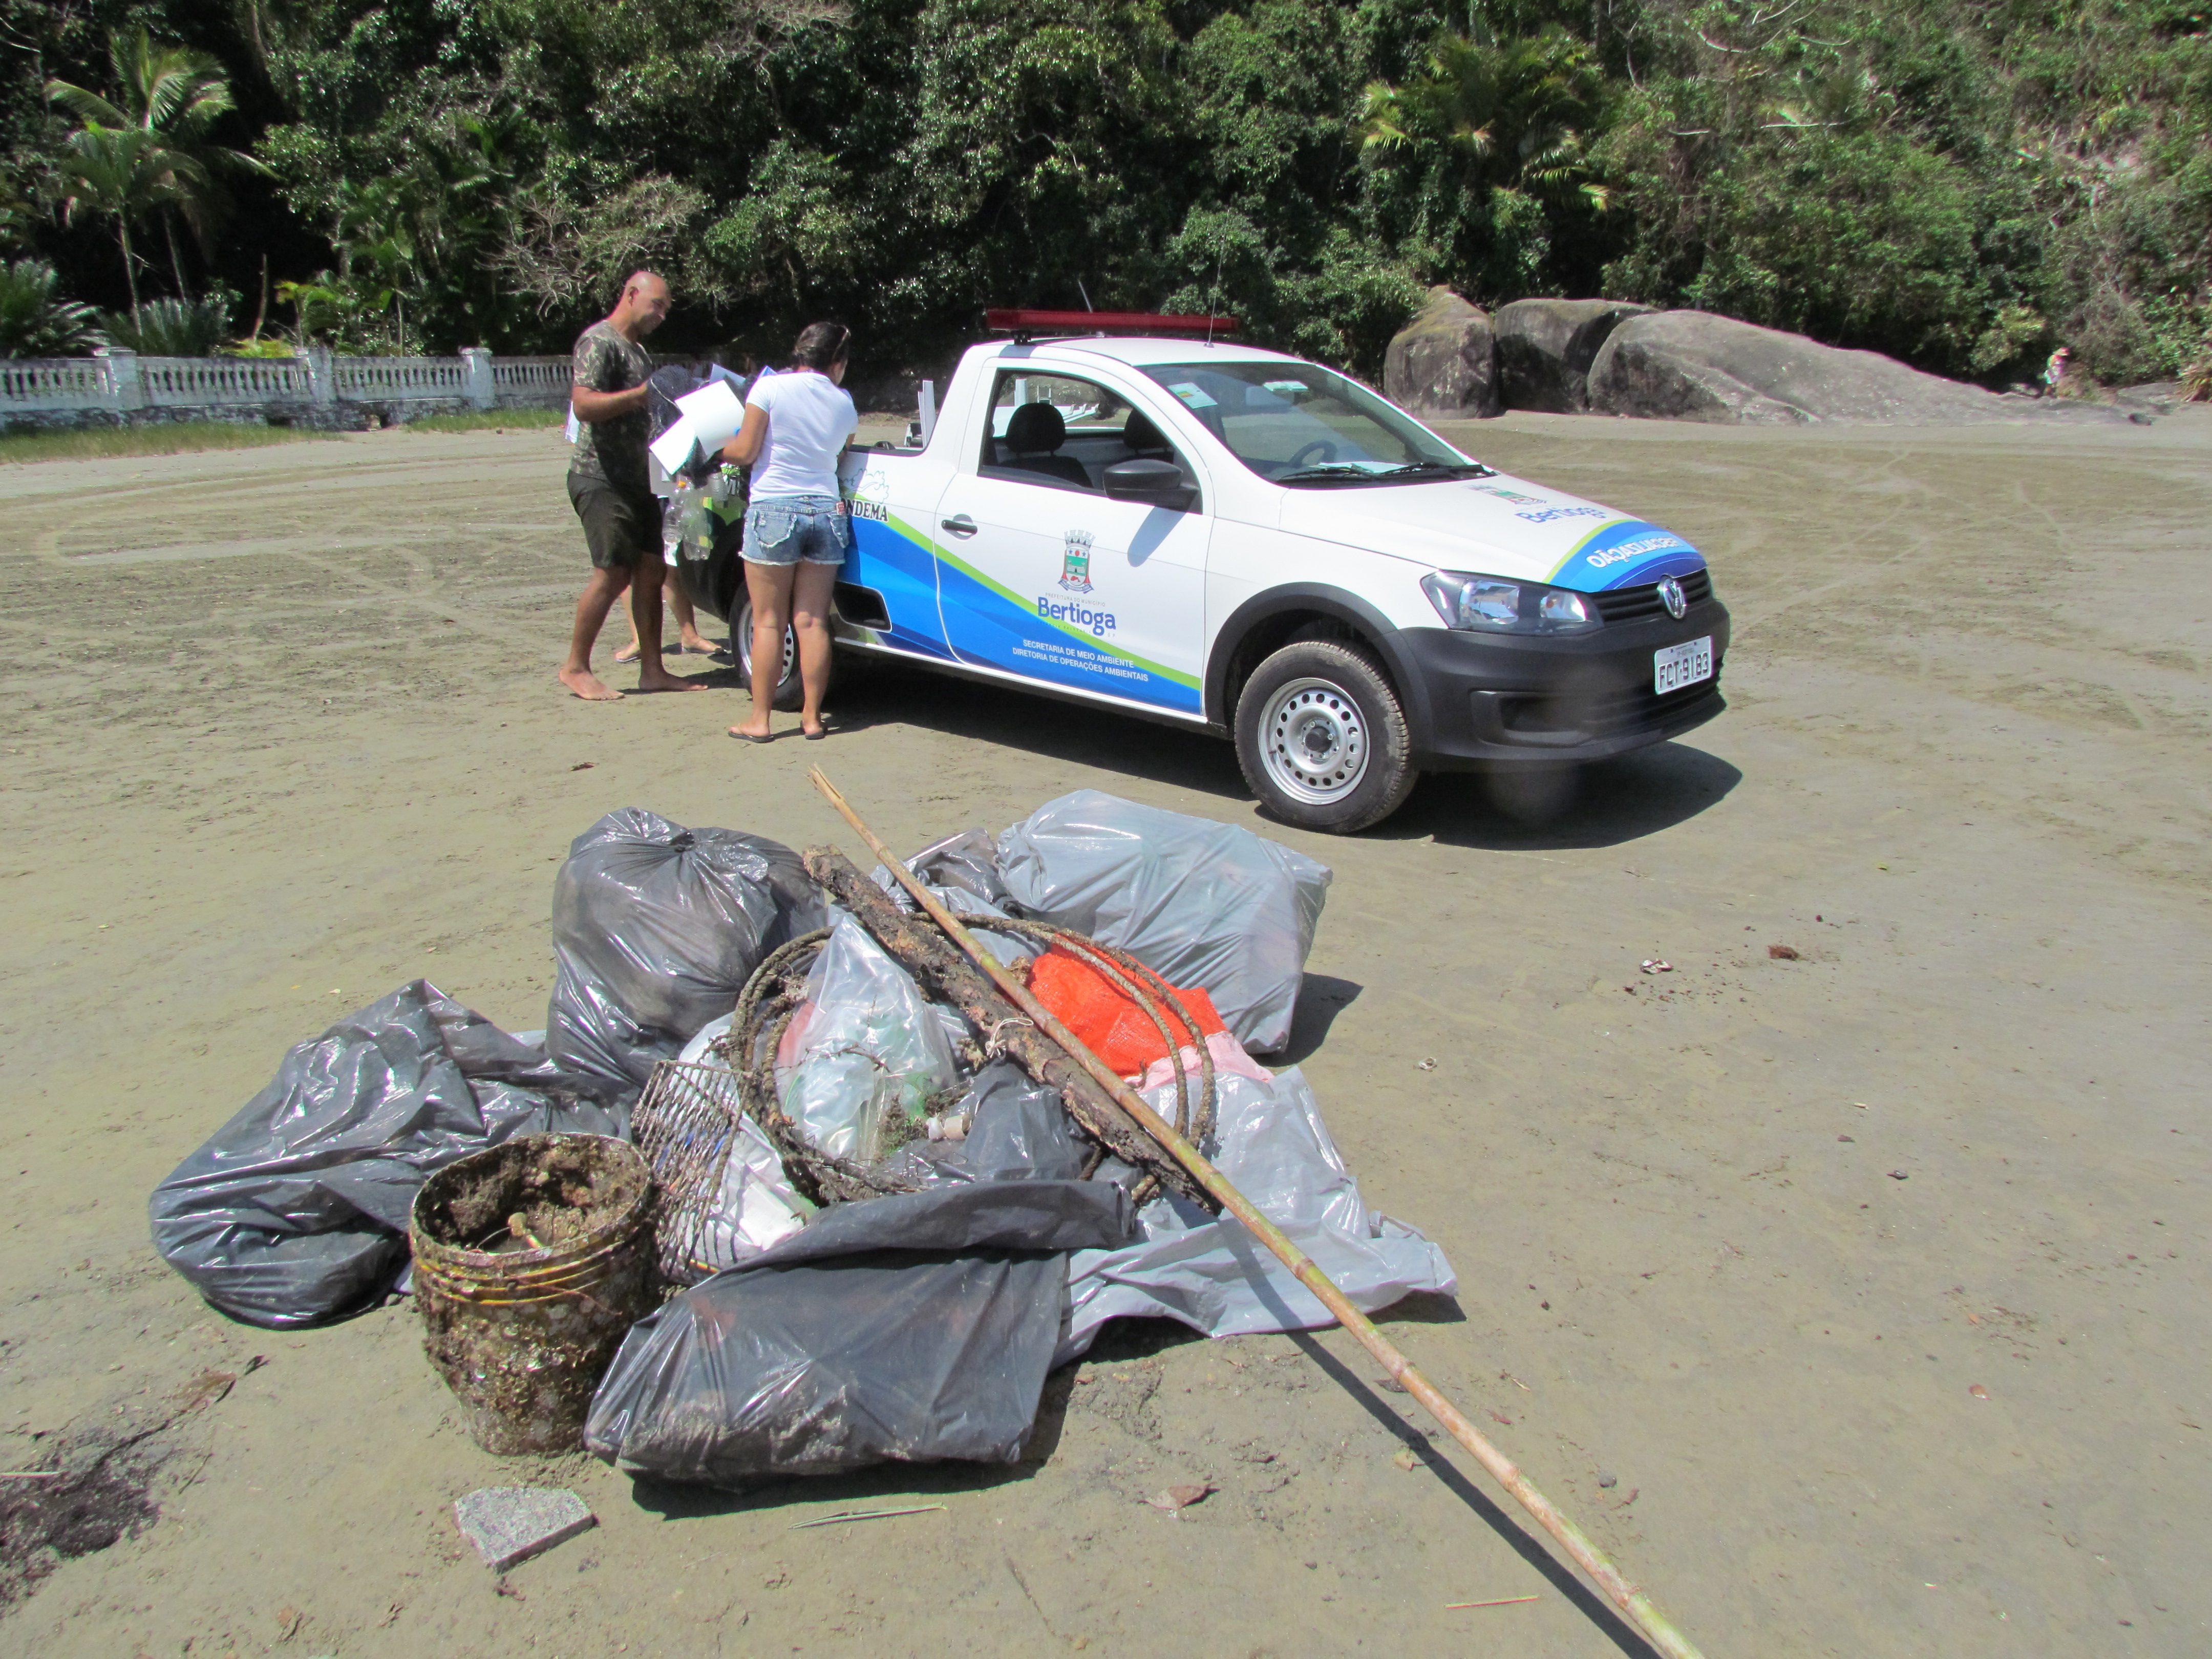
x=173 y=96
x=124 y=173
x=1483 y=148
x=1509 y=112
x=35 y=321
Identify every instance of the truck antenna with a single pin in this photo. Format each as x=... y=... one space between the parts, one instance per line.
x=1213 y=299
x=1085 y=292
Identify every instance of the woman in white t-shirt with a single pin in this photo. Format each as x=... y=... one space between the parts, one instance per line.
x=797 y=534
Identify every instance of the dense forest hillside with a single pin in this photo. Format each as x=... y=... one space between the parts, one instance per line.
x=1964 y=185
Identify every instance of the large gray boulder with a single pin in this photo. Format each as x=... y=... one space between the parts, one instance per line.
x=1690 y=365
x=1444 y=362
x=1546 y=347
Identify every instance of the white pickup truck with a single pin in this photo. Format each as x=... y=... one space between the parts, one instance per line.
x=1234 y=540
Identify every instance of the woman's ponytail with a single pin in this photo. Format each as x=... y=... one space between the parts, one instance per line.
x=821 y=347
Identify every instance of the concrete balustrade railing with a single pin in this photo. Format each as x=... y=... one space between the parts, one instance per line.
x=120 y=388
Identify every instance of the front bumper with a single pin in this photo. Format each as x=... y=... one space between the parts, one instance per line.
x=1572 y=697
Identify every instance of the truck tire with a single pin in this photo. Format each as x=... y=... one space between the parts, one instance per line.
x=1321 y=739
x=790 y=695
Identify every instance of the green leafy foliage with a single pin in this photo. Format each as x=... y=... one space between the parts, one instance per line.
x=173 y=328
x=1962 y=187
x=1482 y=160
x=35 y=321
x=148 y=150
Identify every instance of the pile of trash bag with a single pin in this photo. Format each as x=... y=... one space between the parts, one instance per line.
x=296 y=1209
x=823 y=1339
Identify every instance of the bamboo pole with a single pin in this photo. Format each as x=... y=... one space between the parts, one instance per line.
x=1633 y=1601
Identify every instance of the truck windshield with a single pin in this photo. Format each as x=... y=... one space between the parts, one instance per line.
x=1308 y=427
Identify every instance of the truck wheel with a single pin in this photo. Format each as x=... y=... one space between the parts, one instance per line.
x=1321 y=739
x=790 y=695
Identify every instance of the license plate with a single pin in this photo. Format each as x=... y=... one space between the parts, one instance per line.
x=1678 y=665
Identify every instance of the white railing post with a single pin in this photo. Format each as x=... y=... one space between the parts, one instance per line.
x=477 y=365
x=322 y=387
x=125 y=391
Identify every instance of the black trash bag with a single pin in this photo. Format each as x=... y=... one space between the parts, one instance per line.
x=296 y=1209
x=900 y=1330
x=656 y=928
x=1017 y=1130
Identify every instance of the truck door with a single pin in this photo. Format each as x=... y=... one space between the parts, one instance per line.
x=1040 y=575
x=887 y=592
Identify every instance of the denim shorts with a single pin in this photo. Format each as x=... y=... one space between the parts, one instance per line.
x=785 y=529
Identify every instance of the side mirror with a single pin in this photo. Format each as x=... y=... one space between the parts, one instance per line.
x=1160 y=483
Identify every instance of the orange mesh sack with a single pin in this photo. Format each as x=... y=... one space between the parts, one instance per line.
x=1110 y=1023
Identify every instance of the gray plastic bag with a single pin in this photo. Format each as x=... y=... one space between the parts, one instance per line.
x=967 y=862
x=1207 y=906
x=656 y=928
x=1210 y=1273
x=900 y=1330
x=1017 y=1130
x=296 y=1209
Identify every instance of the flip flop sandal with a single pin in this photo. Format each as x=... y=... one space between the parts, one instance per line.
x=747 y=737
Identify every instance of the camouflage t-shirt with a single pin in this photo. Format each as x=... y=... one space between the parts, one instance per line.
x=612 y=451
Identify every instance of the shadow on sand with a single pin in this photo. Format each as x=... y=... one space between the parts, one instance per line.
x=1518 y=810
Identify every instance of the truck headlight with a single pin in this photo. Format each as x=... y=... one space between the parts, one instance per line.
x=1488 y=604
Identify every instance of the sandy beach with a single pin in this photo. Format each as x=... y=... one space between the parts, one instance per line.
x=1845 y=1298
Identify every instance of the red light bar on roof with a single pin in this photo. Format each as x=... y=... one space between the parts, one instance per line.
x=1024 y=324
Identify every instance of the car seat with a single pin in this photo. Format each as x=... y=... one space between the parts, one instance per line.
x=1034 y=436
x=1145 y=440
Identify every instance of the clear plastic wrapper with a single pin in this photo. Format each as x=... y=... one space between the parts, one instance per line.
x=296 y=1209
x=656 y=928
x=901 y=1329
x=865 y=1044
x=1203 y=904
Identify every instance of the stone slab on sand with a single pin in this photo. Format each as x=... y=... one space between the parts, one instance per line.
x=510 y=1524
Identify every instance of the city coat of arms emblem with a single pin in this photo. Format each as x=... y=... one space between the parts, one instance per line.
x=1075 y=562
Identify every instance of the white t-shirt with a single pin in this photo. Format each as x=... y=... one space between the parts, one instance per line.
x=810 y=416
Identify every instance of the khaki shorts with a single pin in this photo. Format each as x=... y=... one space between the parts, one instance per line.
x=621 y=527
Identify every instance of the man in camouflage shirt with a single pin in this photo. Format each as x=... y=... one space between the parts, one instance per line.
x=610 y=490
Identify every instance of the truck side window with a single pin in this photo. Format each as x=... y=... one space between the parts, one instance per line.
x=1063 y=432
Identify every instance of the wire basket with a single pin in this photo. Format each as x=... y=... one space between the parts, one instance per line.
x=686 y=1124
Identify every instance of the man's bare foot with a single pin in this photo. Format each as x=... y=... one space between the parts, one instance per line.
x=629 y=652
x=588 y=685
x=653 y=678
